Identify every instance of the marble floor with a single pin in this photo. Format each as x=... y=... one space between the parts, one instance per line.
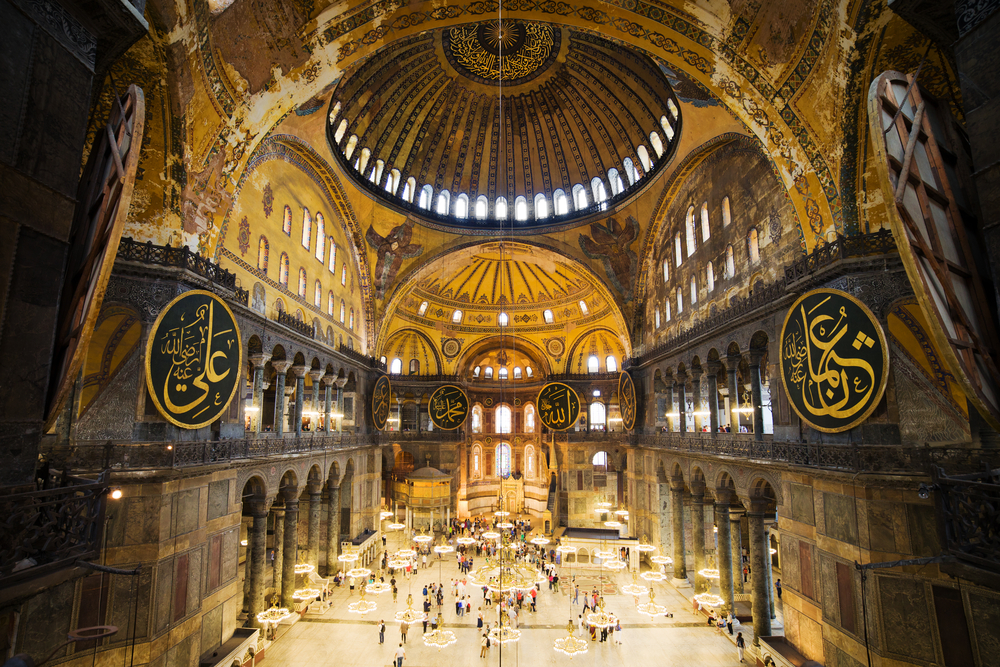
x=344 y=639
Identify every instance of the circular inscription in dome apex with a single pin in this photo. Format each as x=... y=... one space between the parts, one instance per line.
x=508 y=50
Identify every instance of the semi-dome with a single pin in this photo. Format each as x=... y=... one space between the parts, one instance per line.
x=506 y=123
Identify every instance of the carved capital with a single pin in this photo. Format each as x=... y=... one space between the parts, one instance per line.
x=340 y=382
x=714 y=367
x=258 y=507
x=299 y=370
x=327 y=380
x=315 y=375
x=258 y=360
x=724 y=496
x=281 y=367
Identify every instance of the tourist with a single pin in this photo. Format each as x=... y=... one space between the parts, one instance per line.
x=777 y=588
x=403 y=627
x=381 y=632
x=479 y=621
x=576 y=593
x=400 y=654
x=485 y=644
x=729 y=623
x=741 y=645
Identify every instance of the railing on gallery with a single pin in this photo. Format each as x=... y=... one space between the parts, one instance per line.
x=47 y=530
x=438 y=377
x=582 y=377
x=370 y=362
x=969 y=512
x=390 y=437
x=295 y=325
x=183 y=258
x=860 y=245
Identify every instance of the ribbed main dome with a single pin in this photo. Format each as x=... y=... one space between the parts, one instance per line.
x=520 y=123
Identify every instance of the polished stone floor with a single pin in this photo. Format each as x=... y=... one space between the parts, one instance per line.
x=344 y=639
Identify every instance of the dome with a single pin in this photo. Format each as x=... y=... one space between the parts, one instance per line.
x=511 y=123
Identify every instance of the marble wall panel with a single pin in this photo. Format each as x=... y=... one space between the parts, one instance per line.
x=186 y=510
x=184 y=653
x=831 y=597
x=905 y=617
x=47 y=616
x=218 y=499
x=841 y=521
x=803 y=509
x=791 y=574
x=984 y=621
x=211 y=628
x=125 y=593
x=164 y=594
x=230 y=554
x=881 y=526
x=835 y=656
x=196 y=567
x=923 y=530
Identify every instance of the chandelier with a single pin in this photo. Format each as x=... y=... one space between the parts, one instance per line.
x=466 y=540
x=439 y=638
x=709 y=600
x=652 y=576
x=274 y=615
x=409 y=616
x=635 y=588
x=709 y=573
x=502 y=633
x=362 y=606
x=303 y=568
x=602 y=619
x=306 y=593
x=651 y=608
x=570 y=645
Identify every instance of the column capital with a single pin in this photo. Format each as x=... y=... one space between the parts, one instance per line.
x=696 y=372
x=698 y=492
x=713 y=367
x=676 y=483
x=754 y=357
x=315 y=375
x=680 y=377
x=258 y=508
x=733 y=362
x=281 y=366
x=258 y=360
x=327 y=380
x=724 y=496
x=299 y=370
x=340 y=382
x=759 y=507
x=291 y=496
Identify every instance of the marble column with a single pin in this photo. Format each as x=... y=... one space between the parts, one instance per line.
x=290 y=548
x=327 y=399
x=732 y=368
x=677 y=505
x=698 y=536
x=281 y=368
x=724 y=550
x=713 y=396
x=258 y=361
x=758 y=578
x=278 y=514
x=315 y=507
x=670 y=404
x=256 y=556
x=736 y=535
x=698 y=405
x=300 y=390
x=315 y=407
x=679 y=390
x=755 y=397
x=332 y=529
x=341 y=383
x=769 y=569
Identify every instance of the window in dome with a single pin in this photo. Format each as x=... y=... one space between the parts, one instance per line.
x=678 y=254
x=339 y=134
x=456 y=317
x=593 y=364
x=350 y=324
x=689 y=228
x=425 y=197
x=330 y=301
x=503 y=373
x=541 y=206
x=352 y=143
x=320 y=237
x=694 y=290
x=366 y=155
x=656 y=143
x=444 y=202
x=583 y=308
x=710 y=276
x=560 y=202
x=302 y=283
x=726 y=214
x=706 y=230
x=517 y=372
x=488 y=373
x=379 y=169
x=343 y=274
x=263 y=250
x=730 y=262
x=666 y=270
x=656 y=320
x=475 y=371
x=286 y=221
x=317 y=294
x=668 y=129
x=680 y=301
x=482 y=207
x=752 y=244
x=502 y=319
x=500 y=210
x=644 y=158
x=414 y=366
x=672 y=108
x=392 y=183
x=630 y=171
x=579 y=197
x=548 y=317
x=410 y=189
x=611 y=364
x=343 y=308
x=462 y=206
x=333 y=256
x=528 y=371
x=597 y=187
x=503 y=458
x=397 y=367
x=666 y=311
x=422 y=309
x=521 y=208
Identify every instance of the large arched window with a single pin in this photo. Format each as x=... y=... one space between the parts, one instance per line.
x=482 y=207
x=672 y=108
x=263 y=250
x=520 y=208
x=656 y=320
x=500 y=209
x=678 y=253
x=462 y=206
x=680 y=300
x=502 y=319
x=503 y=460
x=317 y=294
x=477 y=460
x=667 y=309
x=302 y=283
x=477 y=419
x=541 y=206
x=307 y=228
x=529 y=460
x=529 y=418
x=425 y=197
x=597 y=187
x=283 y=270
x=422 y=309
x=631 y=171
x=330 y=301
x=593 y=364
x=667 y=128
x=548 y=316
x=503 y=419
x=727 y=215
x=343 y=274
x=488 y=373
x=456 y=317
x=503 y=373
x=600 y=461
x=517 y=372
x=583 y=307
x=730 y=262
x=579 y=197
x=396 y=367
x=475 y=371
x=666 y=270
x=320 y=237
x=598 y=415
x=392 y=183
x=333 y=256
x=351 y=323
x=694 y=290
x=343 y=309
x=560 y=202
x=410 y=189
x=414 y=366
x=611 y=364
x=689 y=228
x=617 y=187
x=752 y=246
x=644 y=158
x=527 y=371
x=366 y=155
x=341 y=129
x=444 y=202
x=656 y=143
x=710 y=276
x=286 y=221
x=705 y=228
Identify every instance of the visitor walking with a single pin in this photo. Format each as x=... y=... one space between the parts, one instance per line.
x=485 y=643
x=381 y=632
x=741 y=644
x=400 y=654
x=777 y=588
x=403 y=627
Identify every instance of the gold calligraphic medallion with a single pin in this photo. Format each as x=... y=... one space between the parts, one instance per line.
x=558 y=406
x=380 y=402
x=193 y=359
x=449 y=406
x=834 y=360
x=626 y=400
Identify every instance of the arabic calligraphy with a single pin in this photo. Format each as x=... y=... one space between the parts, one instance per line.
x=525 y=47
x=626 y=400
x=834 y=361
x=558 y=406
x=193 y=359
x=449 y=406
x=380 y=402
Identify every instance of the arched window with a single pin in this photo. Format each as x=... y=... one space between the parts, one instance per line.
x=517 y=372
x=579 y=197
x=667 y=310
x=503 y=417
x=422 y=309
x=477 y=453
x=726 y=213
x=548 y=317
x=597 y=187
x=477 y=418
x=654 y=141
x=656 y=320
x=615 y=181
x=520 y=208
x=705 y=229
x=343 y=308
x=488 y=373
x=730 y=262
x=351 y=324
x=352 y=143
x=667 y=128
x=279 y=305
x=444 y=202
x=598 y=417
x=500 y=210
x=689 y=228
x=263 y=250
x=343 y=274
x=672 y=108
x=475 y=372
x=330 y=300
x=666 y=270
x=456 y=317
x=366 y=155
x=320 y=237
x=392 y=183
x=503 y=460
x=593 y=364
x=425 y=197
x=410 y=189
x=583 y=307
x=286 y=221
x=482 y=207
x=644 y=158
x=502 y=319
x=752 y=246
x=414 y=366
x=333 y=256
x=317 y=294
x=710 y=276
x=529 y=455
x=379 y=169
x=397 y=366
x=630 y=171
x=560 y=202
x=302 y=283
x=611 y=364
x=541 y=206
x=694 y=290
x=283 y=270
x=462 y=206
x=680 y=301
x=503 y=373
x=678 y=253
x=528 y=371
x=341 y=129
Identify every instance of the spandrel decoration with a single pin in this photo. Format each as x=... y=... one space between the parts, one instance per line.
x=449 y=407
x=380 y=402
x=834 y=360
x=626 y=400
x=558 y=406
x=193 y=359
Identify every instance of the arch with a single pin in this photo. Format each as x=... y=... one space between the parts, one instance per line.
x=730 y=262
x=615 y=181
x=678 y=253
x=303 y=280
x=366 y=155
x=694 y=290
x=656 y=143
x=410 y=189
x=727 y=216
x=689 y=231
x=560 y=202
x=529 y=418
x=263 y=251
x=630 y=171
x=352 y=143
x=426 y=193
x=500 y=208
x=462 y=206
x=593 y=364
x=598 y=190
x=482 y=207
x=644 y=158
x=443 y=203
x=392 y=184
x=317 y=294
x=396 y=367
x=598 y=416
x=286 y=220
x=611 y=364
x=753 y=245
x=579 y=197
x=547 y=316
x=477 y=418
x=710 y=277
x=601 y=460
x=530 y=469
x=307 y=228
x=541 y=206
x=520 y=208
x=477 y=460
x=706 y=230
x=320 y=237
x=502 y=464
x=503 y=420
x=283 y=270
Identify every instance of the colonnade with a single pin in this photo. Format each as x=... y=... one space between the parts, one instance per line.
x=676 y=393
x=326 y=405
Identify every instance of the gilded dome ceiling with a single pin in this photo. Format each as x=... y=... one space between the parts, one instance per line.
x=511 y=124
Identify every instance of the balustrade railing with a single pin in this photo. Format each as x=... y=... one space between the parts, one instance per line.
x=969 y=510
x=304 y=328
x=370 y=362
x=182 y=258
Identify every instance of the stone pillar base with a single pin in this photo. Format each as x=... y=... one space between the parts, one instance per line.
x=680 y=583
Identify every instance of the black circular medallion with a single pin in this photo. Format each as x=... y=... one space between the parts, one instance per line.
x=558 y=406
x=449 y=406
x=380 y=402
x=626 y=400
